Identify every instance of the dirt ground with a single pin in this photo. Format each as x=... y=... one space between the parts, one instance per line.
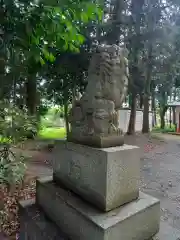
x=160 y=177
x=160 y=174
x=39 y=153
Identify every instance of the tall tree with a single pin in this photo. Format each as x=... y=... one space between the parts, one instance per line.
x=135 y=46
x=33 y=30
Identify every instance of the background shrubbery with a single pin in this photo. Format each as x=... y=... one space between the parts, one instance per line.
x=165 y=130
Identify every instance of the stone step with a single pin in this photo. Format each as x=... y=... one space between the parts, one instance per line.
x=138 y=220
x=39 y=227
x=34 y=225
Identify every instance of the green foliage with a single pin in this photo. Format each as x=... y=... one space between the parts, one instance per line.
x=38 y=27
x=165 y=130
x=43 y=110
x=14 y=126
x=15 y=123
x=12 y=168
x=53 y=118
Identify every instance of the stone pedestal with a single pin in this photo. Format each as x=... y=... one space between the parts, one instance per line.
x=106 y=177
x=94 y=195
x=138 y=220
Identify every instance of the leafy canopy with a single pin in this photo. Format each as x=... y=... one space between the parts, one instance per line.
x=34 y=28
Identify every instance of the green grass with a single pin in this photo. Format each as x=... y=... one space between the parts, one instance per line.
x=165 y=130
x=45 y=133
x=4 y=140
x=52 y=133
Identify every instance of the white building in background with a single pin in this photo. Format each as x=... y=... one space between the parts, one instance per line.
x=124 y=115
x=176 y=105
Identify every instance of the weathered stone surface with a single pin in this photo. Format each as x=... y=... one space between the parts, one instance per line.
x=98 y=141
x=3 y=237
x=93 y=116
x=35 y=225
x=138 y=220
x=107 y=177
x=33 y=216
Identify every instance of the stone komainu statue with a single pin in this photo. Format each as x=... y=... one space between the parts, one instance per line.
x=94 y=117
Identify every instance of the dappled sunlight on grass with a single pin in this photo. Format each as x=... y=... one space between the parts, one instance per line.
x=51 y=133
x=4 y=140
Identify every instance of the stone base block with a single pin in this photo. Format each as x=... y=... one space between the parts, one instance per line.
x=98 y=141
x=138 y=220
x=35 y=225
x=107 y=177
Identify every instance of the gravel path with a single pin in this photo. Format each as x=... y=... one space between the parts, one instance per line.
x=160 y=177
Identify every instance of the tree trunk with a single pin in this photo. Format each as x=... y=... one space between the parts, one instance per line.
x=14 y=90
x=66 y=117
x=170 y=111
x=21 y=100
x=31 y=94
x=154 y=123
x=174 y=110
x=155 y=118
x=3 y=63
x=132 y=119
x=145 y=128
x=141 y=101
x=170 y=119
x=174 y=115
x=162 y=120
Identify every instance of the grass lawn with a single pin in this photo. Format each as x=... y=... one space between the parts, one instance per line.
x=167 y=129
x=45 y=133
x=4 y=140
x=52 y=133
